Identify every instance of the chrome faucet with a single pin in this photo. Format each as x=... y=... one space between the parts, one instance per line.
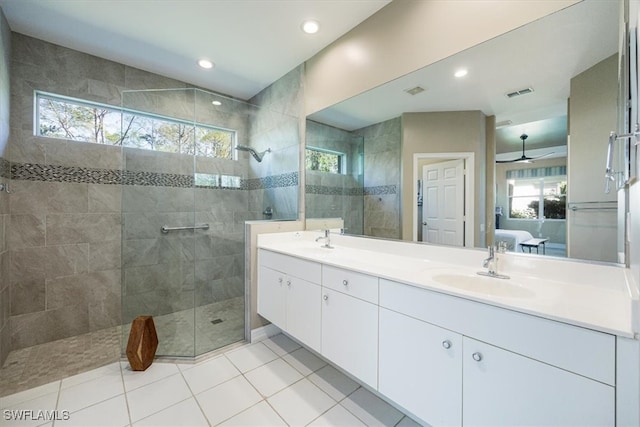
x=327 y=239
x=491 y=263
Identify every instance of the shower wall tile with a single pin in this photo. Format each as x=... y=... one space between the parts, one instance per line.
x=29 y=197
x=82 y=289
x=67 y=197
x=140 y=252
x=82 y=154
x=138 y=198
x=104 y=198
x=26 y=231
x=28 y=296
x=105 y=256
x=30 y=264
x=82 y=228
x=26 y=149
x=177 y=248
x=174 y=199
x=105 y=313
x=135 y=78
x=110 y=92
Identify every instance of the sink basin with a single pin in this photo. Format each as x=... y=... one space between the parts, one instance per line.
x=484 y=285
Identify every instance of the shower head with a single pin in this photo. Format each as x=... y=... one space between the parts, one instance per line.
x=254 y=153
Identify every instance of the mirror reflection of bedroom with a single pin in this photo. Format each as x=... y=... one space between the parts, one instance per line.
x=541 y=208
x=531 y=187
x=551 y=149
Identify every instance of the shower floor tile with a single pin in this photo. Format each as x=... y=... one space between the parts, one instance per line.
x=41 y=364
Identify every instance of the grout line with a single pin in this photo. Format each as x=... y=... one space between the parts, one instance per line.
x=57 y=399
x=193 y=395
x=126 y=396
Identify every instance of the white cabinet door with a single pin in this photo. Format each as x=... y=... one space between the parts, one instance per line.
x=505 y=389
x=303 y=311
x=421 y=368
x=350 y=335
x=271 y=296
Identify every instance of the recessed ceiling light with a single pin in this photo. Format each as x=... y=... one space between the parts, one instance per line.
x=310 y=27
x=205 y=63
x=216 y=103
x=461 y=73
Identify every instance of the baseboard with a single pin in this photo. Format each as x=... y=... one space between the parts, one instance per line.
x=264 y=332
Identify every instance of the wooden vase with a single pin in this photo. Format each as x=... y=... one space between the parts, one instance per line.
x=142 y=344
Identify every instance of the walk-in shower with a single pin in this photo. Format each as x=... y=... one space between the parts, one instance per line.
x=184 y=204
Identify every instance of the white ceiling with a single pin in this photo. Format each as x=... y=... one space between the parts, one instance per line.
x=543 y=55
x=252 y=42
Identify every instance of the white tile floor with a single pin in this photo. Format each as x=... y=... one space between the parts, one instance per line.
x=270 y=383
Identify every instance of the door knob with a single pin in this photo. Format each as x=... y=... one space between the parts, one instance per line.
x=477 y=356
x=326 y=297
x=446 y=344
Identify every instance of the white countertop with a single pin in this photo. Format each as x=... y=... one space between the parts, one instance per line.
x=594 y=296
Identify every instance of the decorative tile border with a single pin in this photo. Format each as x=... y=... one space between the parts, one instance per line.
x=380 y=190
x=72 y=174
x=56 y=173
x=275 y=181
x=333 y=190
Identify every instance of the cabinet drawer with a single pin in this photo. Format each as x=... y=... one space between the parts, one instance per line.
x=292 y=266
x=579 y=350
x=351 y=283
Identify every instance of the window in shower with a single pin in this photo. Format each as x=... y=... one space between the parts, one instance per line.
x=321 y=160
x=79 y=120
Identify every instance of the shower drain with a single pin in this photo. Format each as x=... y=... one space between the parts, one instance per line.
x=216 y=321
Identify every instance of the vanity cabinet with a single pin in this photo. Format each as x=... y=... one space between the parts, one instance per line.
x=448 y=360
x=350 y=322
x=289 y=301
x=502 y=388
x=421 y=368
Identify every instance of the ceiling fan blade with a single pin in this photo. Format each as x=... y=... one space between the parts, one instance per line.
x=542 y=155
x=522 y=159
x=525 y=159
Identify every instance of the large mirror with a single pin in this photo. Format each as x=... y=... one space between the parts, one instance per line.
x=514 y=150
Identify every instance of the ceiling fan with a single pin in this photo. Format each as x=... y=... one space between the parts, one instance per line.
x=524 y=158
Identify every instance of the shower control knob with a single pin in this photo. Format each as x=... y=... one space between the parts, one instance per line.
x=326 y=297
x=345 y=282
x=446 y=344
x=477 y=356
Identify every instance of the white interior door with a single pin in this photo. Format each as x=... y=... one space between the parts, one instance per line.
x=443 y=203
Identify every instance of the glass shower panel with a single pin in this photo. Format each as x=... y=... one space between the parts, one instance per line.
x=222 y=202
x=158 y=265
x=204 y=164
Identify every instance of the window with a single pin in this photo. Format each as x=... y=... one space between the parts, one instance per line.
x=538 y=198
x=318 y=159
x=77 y=120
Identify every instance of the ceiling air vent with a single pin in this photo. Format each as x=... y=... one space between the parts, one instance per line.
x=519 y=92
x=414 y=90
x=503 y=123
